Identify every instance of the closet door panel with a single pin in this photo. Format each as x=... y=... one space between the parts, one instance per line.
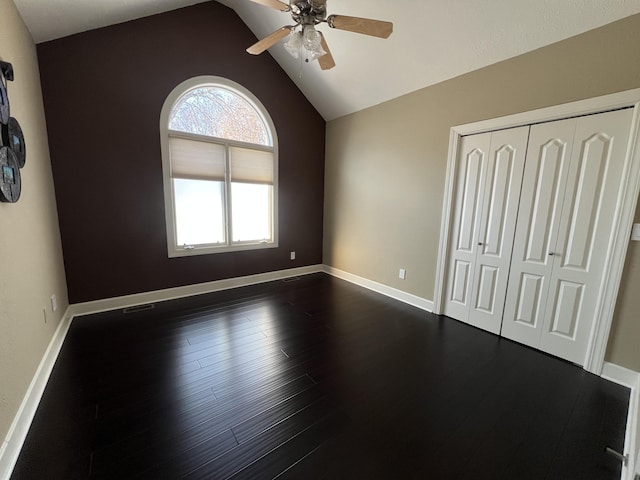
x=471 y=175
x=566 y=309
x=585 y=232
x=530 y=292
x=545 y=177
x=544 y=181
x=472 y=189
x=505 y=168
x=486 y=289
x=504 y=187
x=584 y=202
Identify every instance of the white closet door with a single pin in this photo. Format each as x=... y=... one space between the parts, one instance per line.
x=471 y=175
x=585 y=232
x=545 y=177
x=497 y=226
x=490 y=168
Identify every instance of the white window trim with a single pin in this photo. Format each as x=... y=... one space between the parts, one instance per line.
x=173 y=249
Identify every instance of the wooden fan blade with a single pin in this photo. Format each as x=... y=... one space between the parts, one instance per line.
x=269 y=41
x=326 y=61
x=366 y=26
x=283 y=7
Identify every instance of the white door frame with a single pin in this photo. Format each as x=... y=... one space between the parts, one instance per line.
x=614 y=264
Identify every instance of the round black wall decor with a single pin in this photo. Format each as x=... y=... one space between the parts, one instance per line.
x=13 y=151
x=15 y=141
x=10 y=180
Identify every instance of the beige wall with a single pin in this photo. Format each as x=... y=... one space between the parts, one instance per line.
x=31 y=267
x=385 y=166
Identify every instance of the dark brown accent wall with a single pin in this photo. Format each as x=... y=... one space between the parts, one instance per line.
x=103 y=91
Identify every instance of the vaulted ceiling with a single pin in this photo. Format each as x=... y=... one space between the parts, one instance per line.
x=433 y=40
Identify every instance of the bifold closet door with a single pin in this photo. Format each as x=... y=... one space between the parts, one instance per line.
x=564 y=232
x=489 y=176
x=545 y=179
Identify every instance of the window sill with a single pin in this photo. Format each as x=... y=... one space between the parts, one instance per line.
x=208 y=250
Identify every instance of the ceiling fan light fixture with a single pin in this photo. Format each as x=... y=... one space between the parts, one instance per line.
x=309 y=39
x=312 y=41
x=294 y=44
x=316 y=53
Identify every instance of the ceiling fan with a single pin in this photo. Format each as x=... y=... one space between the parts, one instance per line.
x=307 y=14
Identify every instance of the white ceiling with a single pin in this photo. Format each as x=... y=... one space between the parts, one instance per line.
x=433 y=40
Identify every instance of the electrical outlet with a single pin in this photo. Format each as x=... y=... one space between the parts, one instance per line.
x=293 y=255
x=402 y=274
x=54 y=303
x=635 y=233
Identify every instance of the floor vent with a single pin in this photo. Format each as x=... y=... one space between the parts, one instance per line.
x=291 y=279
x=138 y=308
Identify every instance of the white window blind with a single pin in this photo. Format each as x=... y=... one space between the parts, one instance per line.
x=193 y=159
x=251 y=166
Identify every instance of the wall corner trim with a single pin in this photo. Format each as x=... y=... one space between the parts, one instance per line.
x=404 y=297
x=630 y=379
x=17 y=434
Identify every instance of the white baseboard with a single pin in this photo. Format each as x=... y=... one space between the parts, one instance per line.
x=631 y=379
x=405 y=297
x=22 y=421
x=188 y=290
x=620 y=375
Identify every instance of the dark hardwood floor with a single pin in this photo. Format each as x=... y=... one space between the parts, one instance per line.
x=310 y=379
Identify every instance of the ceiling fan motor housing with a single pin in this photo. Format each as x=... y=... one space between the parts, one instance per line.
x=308 y=12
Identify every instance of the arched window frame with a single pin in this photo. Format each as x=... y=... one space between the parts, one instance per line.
x=173 y=249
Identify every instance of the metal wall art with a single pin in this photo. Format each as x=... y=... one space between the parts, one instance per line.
x=12 y=146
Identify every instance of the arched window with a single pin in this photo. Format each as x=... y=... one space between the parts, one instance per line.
x=220 y=169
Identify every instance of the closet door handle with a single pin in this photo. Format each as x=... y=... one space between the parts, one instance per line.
x=480 y=243
x=551 y=254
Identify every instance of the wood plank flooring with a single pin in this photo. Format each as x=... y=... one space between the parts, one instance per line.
x=314 y=379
